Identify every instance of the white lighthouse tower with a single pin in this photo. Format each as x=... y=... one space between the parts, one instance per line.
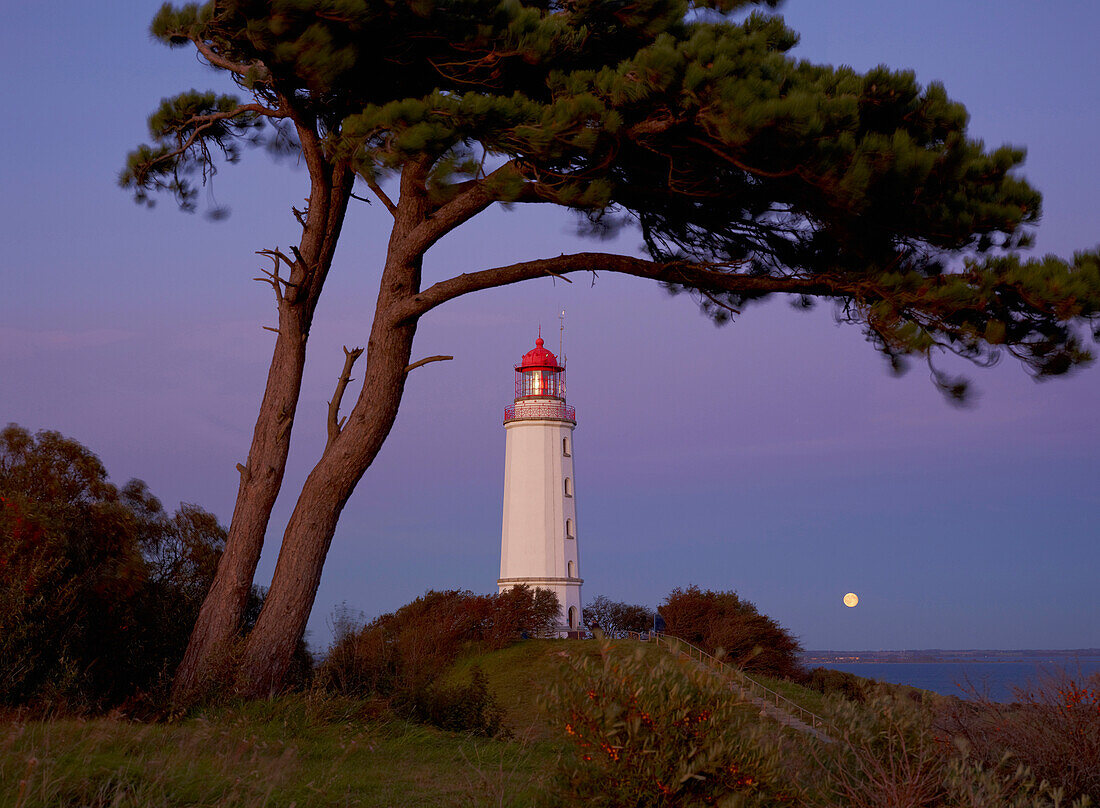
x=538 y=543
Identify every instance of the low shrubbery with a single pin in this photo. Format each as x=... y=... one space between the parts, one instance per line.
x=400 y=656
x=831 y=682
x=1052 y=727
x=889 y=753
x=660 y=733
x=668 y=734
x=455 y=707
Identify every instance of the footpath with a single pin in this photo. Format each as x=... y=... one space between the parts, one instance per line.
x=772 y=705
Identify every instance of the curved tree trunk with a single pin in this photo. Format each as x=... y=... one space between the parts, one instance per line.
x=309 y=533
x=346 y=457
x=220 y=616
x=222 y=610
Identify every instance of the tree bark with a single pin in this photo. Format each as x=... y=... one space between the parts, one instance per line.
x=220 y=617
x=347 y=456
x=309 y=533
x=261 y=478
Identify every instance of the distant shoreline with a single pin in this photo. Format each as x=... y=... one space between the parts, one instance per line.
x=940 y=656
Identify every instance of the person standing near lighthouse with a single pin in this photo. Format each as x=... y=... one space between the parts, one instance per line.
x=538 y=545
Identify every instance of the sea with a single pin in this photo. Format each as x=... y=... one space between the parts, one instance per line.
x=997 y=681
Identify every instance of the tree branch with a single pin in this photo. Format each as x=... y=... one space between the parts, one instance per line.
x=262 y=73
x=450 y=215
x=272 y=277
x=699 y=276
x=382 y=197
x=301 y=215
x=335 y=423
x=425 y=361
x=201 y=123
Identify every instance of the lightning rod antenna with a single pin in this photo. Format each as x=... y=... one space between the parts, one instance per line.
x=561 y=337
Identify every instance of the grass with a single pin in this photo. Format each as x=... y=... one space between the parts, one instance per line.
x=516 y=675
x=288 y=751
x=307 y=750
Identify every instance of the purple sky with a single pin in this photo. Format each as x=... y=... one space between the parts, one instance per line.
x=775 y=456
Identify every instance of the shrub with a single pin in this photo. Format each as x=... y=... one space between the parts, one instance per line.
x=661 y=734
x=458 y=708
x=1052 y=727
x=721 y=622
x=522 y=611
x=615 y=618
x=891 y=755
x=99 y=587
x=406 y=650
x=832 y=682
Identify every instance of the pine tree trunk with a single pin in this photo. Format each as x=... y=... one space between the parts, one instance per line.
x=309 y=533
x=271 y=644
x=222 y=610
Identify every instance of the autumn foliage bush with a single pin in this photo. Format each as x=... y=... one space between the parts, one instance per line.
x=99 y=586
x=400 y=656
x=893 y=752
x=723 y=623
x=1051 y=726
x=662 y=733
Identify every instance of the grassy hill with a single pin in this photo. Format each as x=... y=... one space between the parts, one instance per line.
x=291 y=750
x=316 y=750
x=301 y=749
x=517 y=675
x=306 y=750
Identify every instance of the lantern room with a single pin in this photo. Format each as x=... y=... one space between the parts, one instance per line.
x=538 y=375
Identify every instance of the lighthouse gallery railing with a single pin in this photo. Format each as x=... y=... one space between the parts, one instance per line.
x=559 y=412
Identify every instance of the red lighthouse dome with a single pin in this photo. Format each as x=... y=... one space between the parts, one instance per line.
x=539 y=357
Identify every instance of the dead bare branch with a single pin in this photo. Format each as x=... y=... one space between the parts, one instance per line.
x=335 y=423
x=300 y=215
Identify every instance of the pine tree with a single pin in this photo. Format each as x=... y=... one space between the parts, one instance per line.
x=749 y=173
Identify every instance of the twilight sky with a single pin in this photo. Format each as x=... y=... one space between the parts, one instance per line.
x=775 y=456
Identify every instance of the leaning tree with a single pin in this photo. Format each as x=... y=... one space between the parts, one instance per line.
x=747 y=172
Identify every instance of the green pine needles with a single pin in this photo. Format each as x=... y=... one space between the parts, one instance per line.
x=699 y=129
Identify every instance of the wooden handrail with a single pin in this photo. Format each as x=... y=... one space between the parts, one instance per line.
x=747 y=682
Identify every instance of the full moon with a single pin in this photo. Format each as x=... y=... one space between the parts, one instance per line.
x=851 y=599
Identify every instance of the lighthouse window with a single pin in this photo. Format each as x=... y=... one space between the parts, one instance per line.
x=572 y=570
x=565 y=446
x=569 y=529
x=568 y=487
x=539 y=383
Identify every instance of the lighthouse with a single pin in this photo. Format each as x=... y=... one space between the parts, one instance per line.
x=538 y=543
